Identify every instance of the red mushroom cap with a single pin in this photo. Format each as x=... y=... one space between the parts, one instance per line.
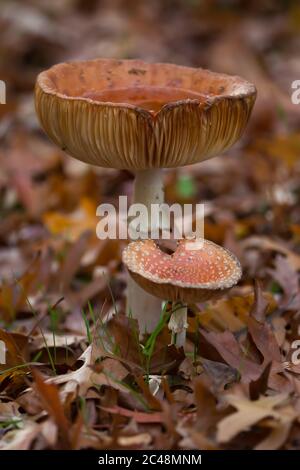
x=132 y=115
x=198 y=270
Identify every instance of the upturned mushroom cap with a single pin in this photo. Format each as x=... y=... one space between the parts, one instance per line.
x=132 y=115
x=197 y=271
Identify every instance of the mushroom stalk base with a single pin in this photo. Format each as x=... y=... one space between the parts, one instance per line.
x=146 y=308
x=178 y=324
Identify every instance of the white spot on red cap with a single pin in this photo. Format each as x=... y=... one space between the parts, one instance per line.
x=207 y=266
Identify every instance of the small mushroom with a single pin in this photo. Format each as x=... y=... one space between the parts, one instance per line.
x=128 y=114
x=197 y=271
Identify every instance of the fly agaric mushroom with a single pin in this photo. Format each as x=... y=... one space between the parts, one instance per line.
x=128 y=114
x=197 y=271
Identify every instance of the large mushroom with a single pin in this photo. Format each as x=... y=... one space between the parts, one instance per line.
x=128 y=114
x=197 y=271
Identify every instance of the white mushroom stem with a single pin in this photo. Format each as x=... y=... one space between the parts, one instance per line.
x=146 y=308
x=178 y=324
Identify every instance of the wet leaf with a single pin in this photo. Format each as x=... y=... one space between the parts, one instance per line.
x=248 y=414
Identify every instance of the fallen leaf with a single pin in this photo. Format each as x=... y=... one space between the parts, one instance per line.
x=222 y=375
x=230 y=350
x=265 y=243
x=231 y=314
x=140 y=440
x=20 y=439
x=16 y=354
x=72 y=226
x=111 y=374
x=280 y=430
x=259 y=387
x=49 y=394
x=287 y=278
x=138 y=416
x=260 y=304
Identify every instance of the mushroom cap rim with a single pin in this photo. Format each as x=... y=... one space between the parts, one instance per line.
x=248 y=87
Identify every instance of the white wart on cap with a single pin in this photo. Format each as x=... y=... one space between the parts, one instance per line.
x=197 y=271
